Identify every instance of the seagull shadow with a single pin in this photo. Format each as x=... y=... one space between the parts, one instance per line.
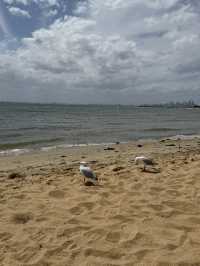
x=89 y=183
x=152 y=170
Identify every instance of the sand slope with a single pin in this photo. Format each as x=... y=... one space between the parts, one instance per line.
x=48 y=217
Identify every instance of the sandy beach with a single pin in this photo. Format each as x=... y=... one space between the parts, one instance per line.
x=48 y=216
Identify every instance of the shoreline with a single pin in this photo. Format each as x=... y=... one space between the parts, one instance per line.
x=19 y=151
x=75 y=153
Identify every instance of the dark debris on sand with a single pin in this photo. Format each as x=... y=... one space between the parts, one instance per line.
x=14 y=175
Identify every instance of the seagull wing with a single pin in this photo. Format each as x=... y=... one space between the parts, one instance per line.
x=87 y=172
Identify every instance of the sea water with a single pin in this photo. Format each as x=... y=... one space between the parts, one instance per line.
x=24 y=127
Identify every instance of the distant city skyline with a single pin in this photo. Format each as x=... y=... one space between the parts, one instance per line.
x=94 y=51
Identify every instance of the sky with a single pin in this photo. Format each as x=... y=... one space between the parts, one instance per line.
x=100 y=51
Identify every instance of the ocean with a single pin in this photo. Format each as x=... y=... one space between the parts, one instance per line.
x=25 y=127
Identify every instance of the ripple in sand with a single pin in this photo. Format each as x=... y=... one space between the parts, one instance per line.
x=59 y=194
x=113 y=254
x=140 y=254
x=183 y=206
x=28 y=253
x=70 y=232
x=168 y=213
x=58 y=249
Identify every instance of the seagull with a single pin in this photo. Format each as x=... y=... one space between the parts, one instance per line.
x=87 y=172
x=146 y=161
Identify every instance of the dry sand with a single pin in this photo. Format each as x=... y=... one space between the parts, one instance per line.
x=48 y=217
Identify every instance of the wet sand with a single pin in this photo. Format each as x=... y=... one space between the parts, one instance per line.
x=48 y=216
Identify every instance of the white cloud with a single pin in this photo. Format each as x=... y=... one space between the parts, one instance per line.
x=28 y=2
x=51 y=13
x=16 y=11
x=82 y=9
x=11 y=2
x=49 y=3
x=81 y=58
x=98 y=6
x=185 y=40
x=123 y=49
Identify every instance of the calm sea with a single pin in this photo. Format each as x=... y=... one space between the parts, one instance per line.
x=36 y=126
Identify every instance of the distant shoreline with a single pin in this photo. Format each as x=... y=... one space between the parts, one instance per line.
x=188 y=104
x=159 y=105
x=166 y=106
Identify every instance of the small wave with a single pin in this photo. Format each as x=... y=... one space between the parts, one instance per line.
x=11 y=135
x=19 y=151
x=48 y=148
x=7 y=146
x=160 y=129
x=87 y=144
x=14 y=152
x=77 y=145
x=184 y=137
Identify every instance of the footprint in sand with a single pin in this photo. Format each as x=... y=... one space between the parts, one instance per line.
x=88 y=205
x=81 y=207
x=136 y=238
x=5 y=236
x=72 y=221
x=156 y=207
x=95 y=234
x=136 y=186
x=173 y=192
x=59 y=194
x=113 y=237
x=113 y=254
x=20 y=196
x=70 y=232
x=59 y=249
x=183 y=206
x=75 y=210
x=21 y=218
x=140 y=254
x=193 y=220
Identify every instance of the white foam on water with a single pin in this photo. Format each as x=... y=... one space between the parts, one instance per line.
x=14 y=152
x=184 y=137
x=60 y=146
x=48 y=148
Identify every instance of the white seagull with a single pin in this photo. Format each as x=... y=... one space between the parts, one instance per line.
x=146 y=161
x=87 y=172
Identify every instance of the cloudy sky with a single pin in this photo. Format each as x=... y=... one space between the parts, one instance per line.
x=100 y=51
